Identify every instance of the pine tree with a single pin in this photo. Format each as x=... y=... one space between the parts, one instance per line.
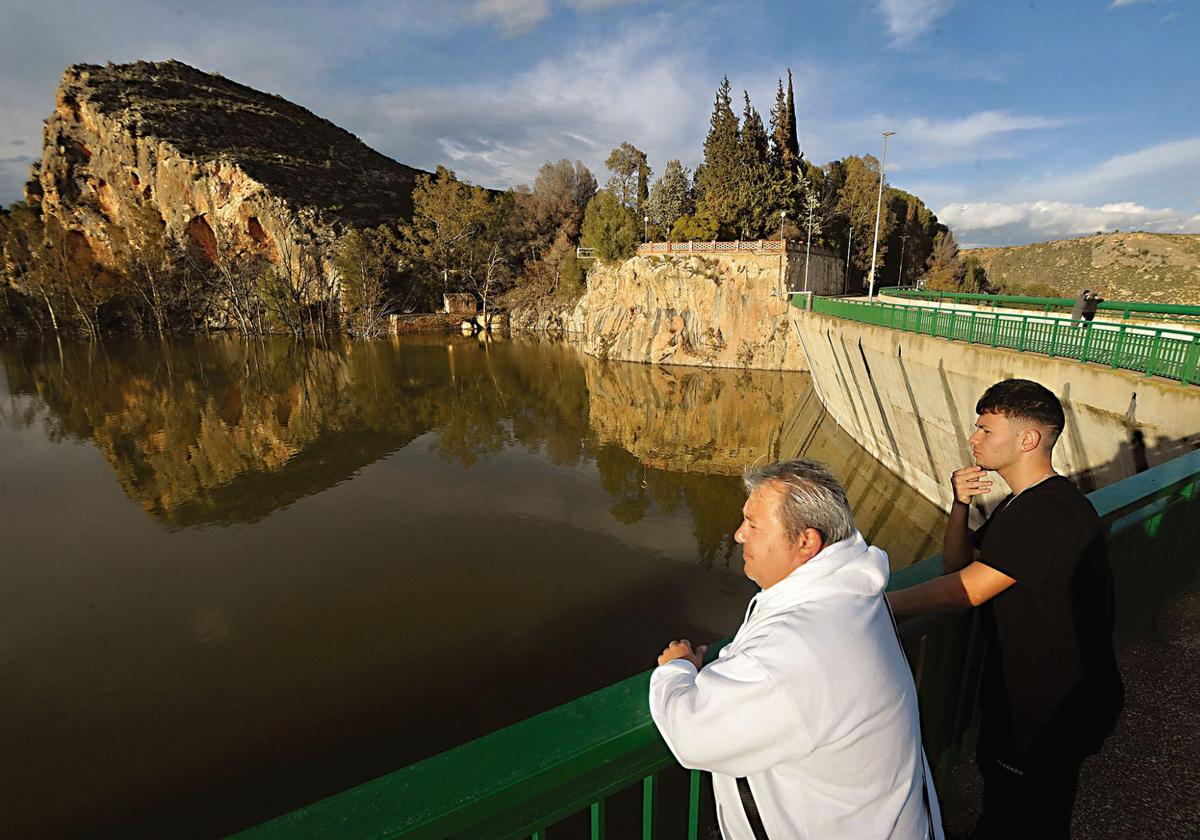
x=670 y=197
x=718 y=180
x=753 y=140
x=758 y=195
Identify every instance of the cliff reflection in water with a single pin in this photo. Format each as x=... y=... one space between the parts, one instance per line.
x=225 y=431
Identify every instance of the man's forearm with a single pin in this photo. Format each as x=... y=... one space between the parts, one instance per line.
x=942 y=594
x=957 y=550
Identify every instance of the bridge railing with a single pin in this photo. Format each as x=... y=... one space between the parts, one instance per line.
x=1154 y=351
x=516 y=782
x=1127 y=310
x=755 y=246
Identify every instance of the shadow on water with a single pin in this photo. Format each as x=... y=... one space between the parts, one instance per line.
x=319 y=563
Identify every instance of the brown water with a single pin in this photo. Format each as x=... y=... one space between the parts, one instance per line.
x=239 y=576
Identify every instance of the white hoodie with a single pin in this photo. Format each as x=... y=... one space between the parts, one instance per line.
x=814 y=704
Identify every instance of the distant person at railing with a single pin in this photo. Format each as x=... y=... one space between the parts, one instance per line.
x=808 y=718
x=1091 y=302
x=1051 y=692
x=1081 y=302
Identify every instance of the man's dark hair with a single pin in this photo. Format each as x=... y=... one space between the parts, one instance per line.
x=1024 y=399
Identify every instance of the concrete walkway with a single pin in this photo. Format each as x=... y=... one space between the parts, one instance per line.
x=1146 y=781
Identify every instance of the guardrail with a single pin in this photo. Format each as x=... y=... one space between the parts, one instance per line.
x=1182 y=313
x=756 y=246
x=1154 y=351
x=516 y=782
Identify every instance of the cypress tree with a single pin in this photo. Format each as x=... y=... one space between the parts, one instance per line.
x=778 y=129
x=793 y=137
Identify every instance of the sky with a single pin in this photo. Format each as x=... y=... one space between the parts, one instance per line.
x=1015 y=121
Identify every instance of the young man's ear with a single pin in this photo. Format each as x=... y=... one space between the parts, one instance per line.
x=1031 y=439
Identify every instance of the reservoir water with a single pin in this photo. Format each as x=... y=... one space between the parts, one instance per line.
x=242 y=575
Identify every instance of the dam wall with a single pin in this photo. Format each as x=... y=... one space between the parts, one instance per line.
x=909 y=400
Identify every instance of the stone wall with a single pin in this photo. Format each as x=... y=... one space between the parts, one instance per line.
x=716 y=310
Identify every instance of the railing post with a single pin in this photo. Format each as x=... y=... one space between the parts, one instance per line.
x=1191 y=357
x=1087 y=343
x=1153 y=355
x=1120 y=347
x=1024 y=333
x=1053 y=340
x=649 y=806
x=971 y=328
x=995 y=328
x=694 y=806
x=598 y=820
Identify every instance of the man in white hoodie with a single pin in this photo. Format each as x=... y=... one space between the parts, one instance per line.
x=808 y=718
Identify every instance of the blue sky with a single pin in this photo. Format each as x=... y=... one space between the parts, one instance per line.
x=1016 y=122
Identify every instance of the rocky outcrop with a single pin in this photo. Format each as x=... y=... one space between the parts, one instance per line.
x=708 y=310
x=224 y=166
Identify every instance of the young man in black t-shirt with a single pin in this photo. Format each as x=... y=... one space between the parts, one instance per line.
x=1039 y=569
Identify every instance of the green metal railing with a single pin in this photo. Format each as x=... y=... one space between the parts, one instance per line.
x=1154 y=351
x=1181 y=313
x=518 y=781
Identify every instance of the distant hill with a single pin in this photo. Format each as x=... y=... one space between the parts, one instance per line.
x=1153 y=267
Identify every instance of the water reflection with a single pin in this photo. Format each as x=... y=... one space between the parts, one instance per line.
x=355 y=555
x=226 y=431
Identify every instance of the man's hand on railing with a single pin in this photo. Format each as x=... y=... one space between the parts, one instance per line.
x=682 y=649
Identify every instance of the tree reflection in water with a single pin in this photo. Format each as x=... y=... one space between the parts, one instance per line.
x=227 y=430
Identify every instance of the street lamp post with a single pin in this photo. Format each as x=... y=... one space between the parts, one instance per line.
x=846 y=273
x=808 y=246
x=782 y=248
x=900 y=273
x=646 y=228
x=878 y=207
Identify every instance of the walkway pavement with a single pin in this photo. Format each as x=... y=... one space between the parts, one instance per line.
x=1146 y=781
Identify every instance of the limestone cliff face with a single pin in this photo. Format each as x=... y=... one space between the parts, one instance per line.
x=708 y=310
x=223 y=165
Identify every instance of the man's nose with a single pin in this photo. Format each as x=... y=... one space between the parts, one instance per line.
x=737 y=535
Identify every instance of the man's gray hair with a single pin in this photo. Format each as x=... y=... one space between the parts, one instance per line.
x=812 y=498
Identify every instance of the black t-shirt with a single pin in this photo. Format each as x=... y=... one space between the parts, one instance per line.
x=1050 y=682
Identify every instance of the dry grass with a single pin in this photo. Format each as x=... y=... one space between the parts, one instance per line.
x=1153 y=267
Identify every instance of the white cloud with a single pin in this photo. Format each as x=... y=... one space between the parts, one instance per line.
x=909 y=19
x=926 y=142
x=515 y=17
x=576 y=105
x=1003 y=224
x=1155 y=169
x=1116 y=4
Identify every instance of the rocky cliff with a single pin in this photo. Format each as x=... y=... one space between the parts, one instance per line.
x=224 y=166
x=708 y=310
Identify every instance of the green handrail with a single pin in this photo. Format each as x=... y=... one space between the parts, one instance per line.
x=1143 y=309
x=1153 y=351
x=517 y=781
